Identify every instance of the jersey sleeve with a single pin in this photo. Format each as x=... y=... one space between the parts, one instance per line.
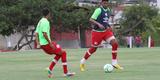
x=96 y=13
x=45 y=25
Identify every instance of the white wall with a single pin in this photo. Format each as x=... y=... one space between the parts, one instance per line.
x=13 y=40
x=158 y=4
x=3 y=42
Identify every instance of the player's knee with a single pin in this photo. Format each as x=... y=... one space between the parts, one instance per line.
x=92 y=49
x=60 y=53
x=64 y=52
x=115 y=44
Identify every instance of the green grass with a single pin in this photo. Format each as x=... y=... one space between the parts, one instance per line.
x=139 y=64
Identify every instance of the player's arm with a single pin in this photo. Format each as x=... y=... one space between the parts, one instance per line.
x=46 y=37
x=49 y=41
x=44 y=31
x=93 y=18
x=37 y=38
x=96 y=23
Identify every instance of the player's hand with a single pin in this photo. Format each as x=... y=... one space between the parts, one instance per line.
x=38 y=45
x=110 y=29
x=101 y=26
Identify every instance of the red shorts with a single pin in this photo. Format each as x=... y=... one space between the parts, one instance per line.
x=97 y=37
x=48 y=49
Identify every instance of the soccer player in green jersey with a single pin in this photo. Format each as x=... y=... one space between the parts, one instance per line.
x=43 y=39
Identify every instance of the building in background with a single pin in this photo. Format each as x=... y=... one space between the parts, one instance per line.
x=87 y=2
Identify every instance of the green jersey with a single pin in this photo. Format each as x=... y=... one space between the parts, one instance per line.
x=43 y=26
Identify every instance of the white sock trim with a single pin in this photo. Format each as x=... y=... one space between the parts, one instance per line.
x=114 y=61
x=89 y=53
x=82 y=61
x=54 y=61
x=114 y=51
x=64 y=63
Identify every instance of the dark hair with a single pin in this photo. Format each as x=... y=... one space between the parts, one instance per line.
x=104 y=0
x=45 y=11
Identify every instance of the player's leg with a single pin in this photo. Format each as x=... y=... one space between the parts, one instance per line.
x=54 y=61
x=63 y=56
x=86 y=56
x=90 y=51
x=47 y=49
x=52 y=64
x=114 y=45
x=109 y=37
x=96 y=40
x=64 y=64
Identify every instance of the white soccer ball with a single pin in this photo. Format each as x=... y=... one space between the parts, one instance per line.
x=108 y=68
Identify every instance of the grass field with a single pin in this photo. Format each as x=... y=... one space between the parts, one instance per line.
x=139 y=64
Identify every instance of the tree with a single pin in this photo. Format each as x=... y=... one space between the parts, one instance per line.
x=138 y=19
x=19 y=15
x=70 y=16
x=141 y=20
x=156 y=22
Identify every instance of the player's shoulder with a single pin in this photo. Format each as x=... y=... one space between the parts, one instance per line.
x=98 y=9
x=108 y=9
x=44 y=20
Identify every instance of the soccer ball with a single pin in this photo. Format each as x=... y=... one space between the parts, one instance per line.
x=108 y=68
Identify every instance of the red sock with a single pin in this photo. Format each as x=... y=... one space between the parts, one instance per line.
x=89 y=52
x=114 y=50
x=64 y=62
x=65 y=70
x=56 y=58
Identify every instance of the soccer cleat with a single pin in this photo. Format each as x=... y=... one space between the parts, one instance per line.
x=49 y=73
x=117 y=66
x=82 y=67
x=69 y=74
